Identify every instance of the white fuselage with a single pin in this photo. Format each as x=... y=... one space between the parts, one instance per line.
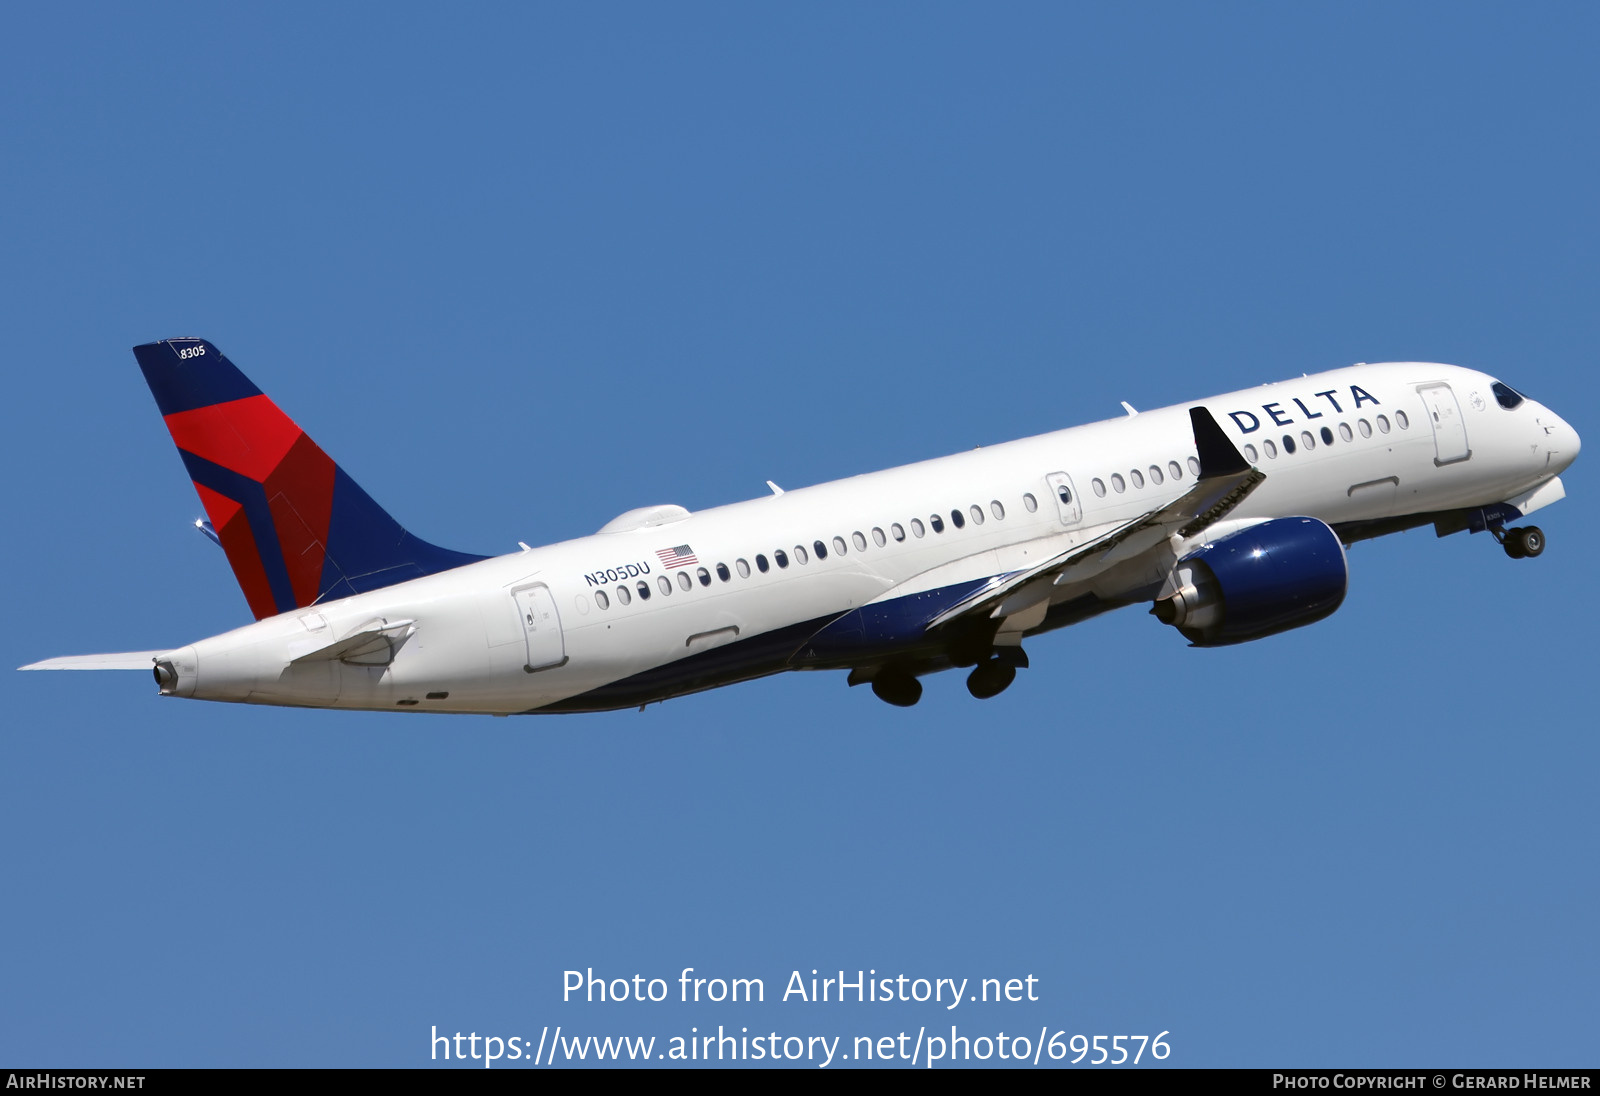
x=570 y=626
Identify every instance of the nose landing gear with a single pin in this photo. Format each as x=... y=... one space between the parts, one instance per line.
x=1525 y=542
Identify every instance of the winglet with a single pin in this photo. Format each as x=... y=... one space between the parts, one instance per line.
x=1218 y=455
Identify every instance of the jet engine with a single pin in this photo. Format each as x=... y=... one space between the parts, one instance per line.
x=1262 y=580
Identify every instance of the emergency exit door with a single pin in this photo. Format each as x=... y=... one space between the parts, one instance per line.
x=1067 y=504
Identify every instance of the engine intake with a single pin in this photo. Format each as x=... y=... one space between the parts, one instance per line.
x=1269 y=578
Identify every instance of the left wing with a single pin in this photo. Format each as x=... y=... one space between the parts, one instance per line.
x=1226 y=479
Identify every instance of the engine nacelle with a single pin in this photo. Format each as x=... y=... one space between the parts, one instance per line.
x=1262 y=580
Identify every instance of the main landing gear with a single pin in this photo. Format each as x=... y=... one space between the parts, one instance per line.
x=994 y=674
x=991 y=675
x=990 y=678
x=901 y=690
x=1525 y=542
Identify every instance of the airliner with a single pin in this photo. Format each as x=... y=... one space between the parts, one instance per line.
x=1229 y=517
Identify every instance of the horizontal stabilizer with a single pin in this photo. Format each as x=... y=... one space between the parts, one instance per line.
x=125 y=660
x=373 y=645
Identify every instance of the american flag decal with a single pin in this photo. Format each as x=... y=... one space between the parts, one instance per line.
x=681 y=556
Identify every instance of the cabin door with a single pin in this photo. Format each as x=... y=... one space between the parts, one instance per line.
x=1449 y=428
x=540 y=626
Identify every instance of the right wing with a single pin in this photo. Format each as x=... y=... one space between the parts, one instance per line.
x=1226 y=479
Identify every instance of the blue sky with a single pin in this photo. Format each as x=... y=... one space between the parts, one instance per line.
x=520 y=268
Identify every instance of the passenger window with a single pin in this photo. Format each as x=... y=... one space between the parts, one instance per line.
x=1029 y=503
x=1155 y=474
x=897 y=531
x=1344 y=432
x=685 y=583
x=1174 y=470
x=1270 y=448
x=665 y=583
x=861 y=540
x=916 y=528
x=1194 y=466
x=601 y=600
x=800 y=554
x=997 y=510
x=956 y=519
x=1137 y=477
x=742 y=567
x=1327 y=436
x=1365 y=427
x=878 y=538
x=704 y=576
x=1307 y=440
x=1099 y=486
x=1383 y=424
x=820 y=549
x=1064 y=493
x=1401 y=421
x=1117 y=483
x=838 y=546
x=977 y=514
x=781 y=558
x=623 y=597
x=1288 y=444
x=644 y=590
x=937 y=522
x=761 y=564
x=1250 y=453
x=723 y=572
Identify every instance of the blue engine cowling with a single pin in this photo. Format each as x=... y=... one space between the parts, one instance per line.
x=1257 y=582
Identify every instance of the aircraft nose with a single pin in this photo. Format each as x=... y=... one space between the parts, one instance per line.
x=1561 y=440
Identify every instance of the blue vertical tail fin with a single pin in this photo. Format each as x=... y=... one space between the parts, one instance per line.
x=296 y=528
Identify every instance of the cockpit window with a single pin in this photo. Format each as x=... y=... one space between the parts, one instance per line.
x=1509 y=397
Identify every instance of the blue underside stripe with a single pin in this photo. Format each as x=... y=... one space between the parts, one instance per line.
x=884 y=628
